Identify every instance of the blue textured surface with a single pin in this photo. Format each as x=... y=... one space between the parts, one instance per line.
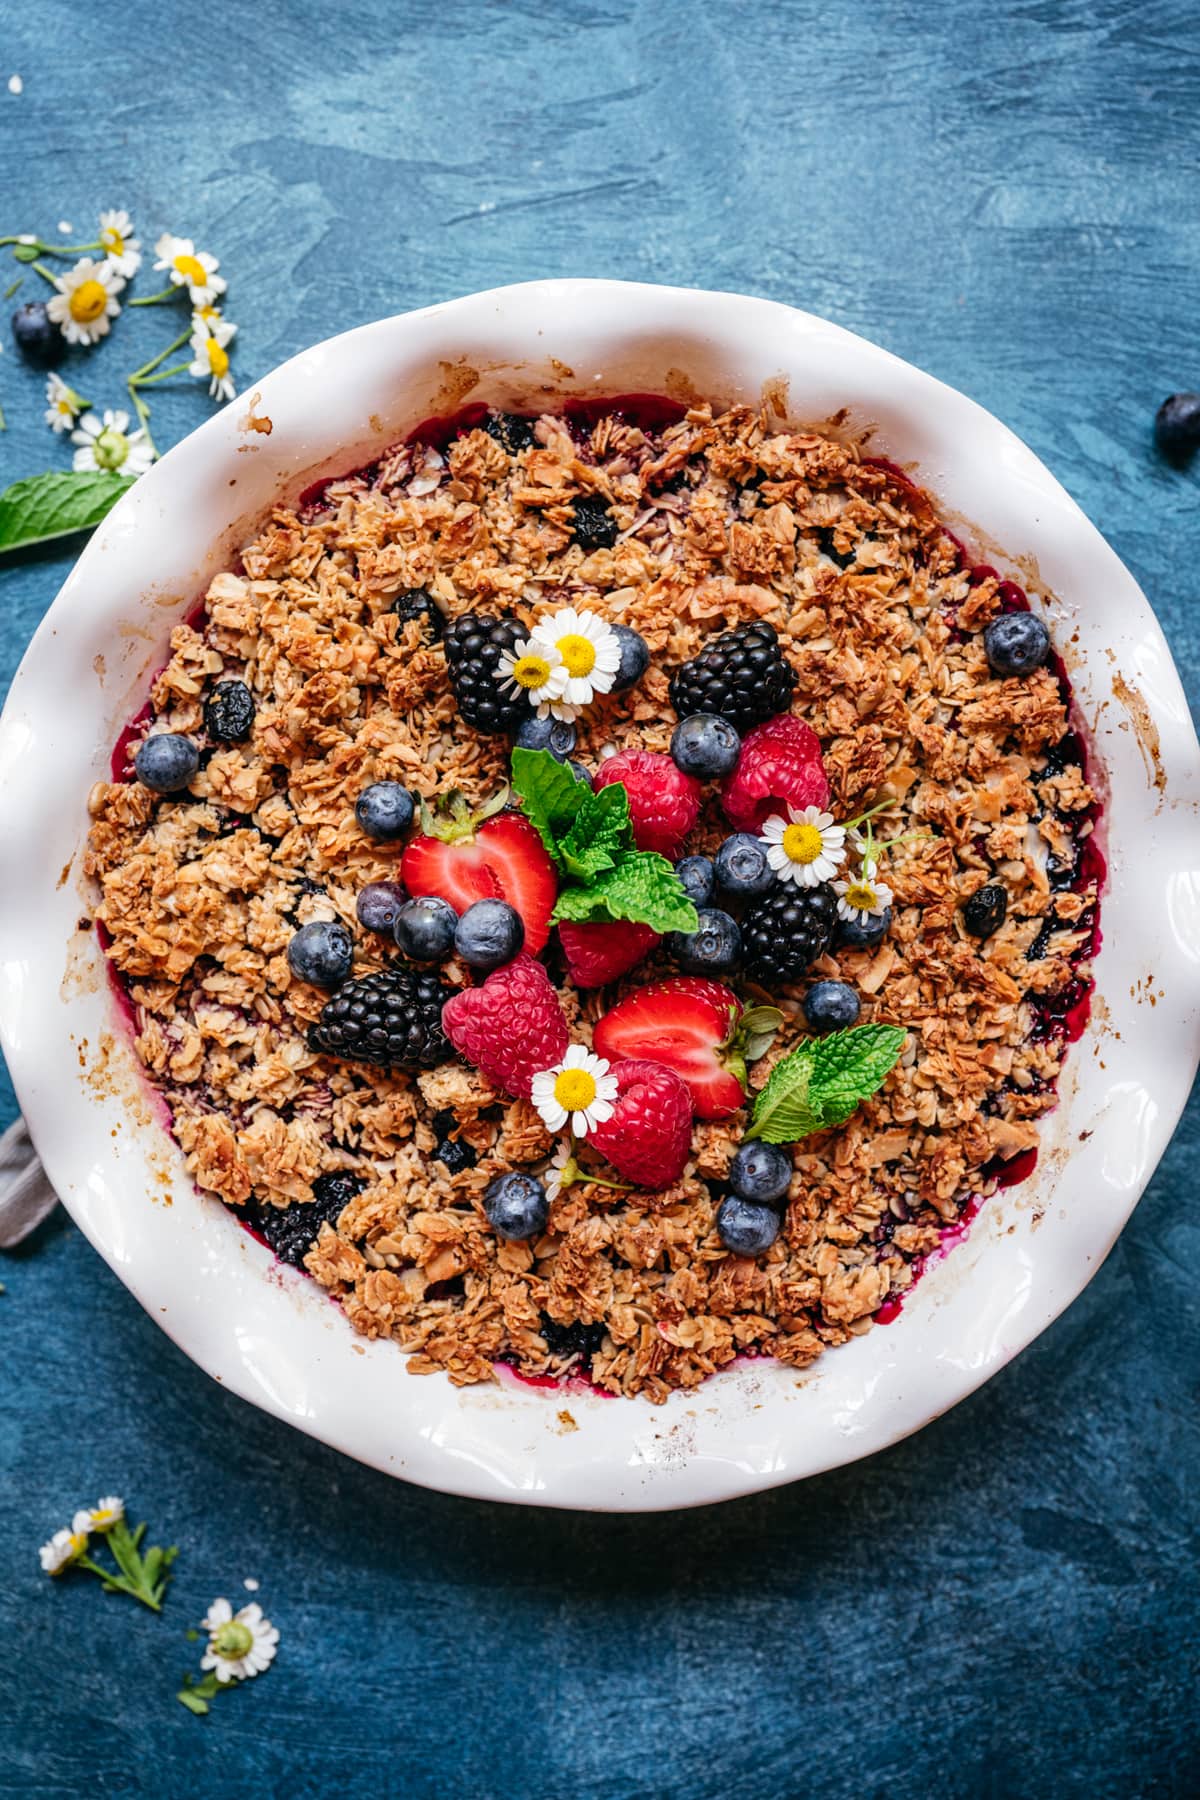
x=1003 y=1606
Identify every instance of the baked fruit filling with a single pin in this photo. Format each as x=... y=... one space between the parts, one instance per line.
x=605 y=893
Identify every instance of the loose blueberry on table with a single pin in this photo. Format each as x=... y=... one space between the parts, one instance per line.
x=673 y=901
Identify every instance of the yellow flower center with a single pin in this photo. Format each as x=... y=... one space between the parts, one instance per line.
x=110 y=448
x=578 y=653
x=88 y=301
x=802 y=843
x=860 y=896
x=218 y=359
x=192 y=270
x=112 y=240
x=233 y=1640
x=575 y=1090
x=529 y=672
x=78 y=1543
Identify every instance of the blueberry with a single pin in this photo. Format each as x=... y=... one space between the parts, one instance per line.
x=489 y=933
x=714 y=948
x=419 y=603
x=322 y=953
x=635 y=658
x=1016 y=643
x=741 y=865
x=229 y=712
x=761 y=1172
x=986 y=910
x=863 y=934
x=455 y=1155
x=1177 y=427
x=166 y=762
x=512 y=431
x=831 y=1006
x=555 y=735
x=578 y=771
x=745 y=1227
x=425 y=927
x=378 y=904
x=593 y=525
x=697 y=877
x=384 y=810
x=705 y=746
x=37 y=336
x=516 y=1206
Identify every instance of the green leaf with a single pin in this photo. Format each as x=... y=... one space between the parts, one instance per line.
x=823 y=1081
x=600 y=831
x=643 y=888
x=550 y=794
x=26 y=253
x=55 y=504
x=189 y=1698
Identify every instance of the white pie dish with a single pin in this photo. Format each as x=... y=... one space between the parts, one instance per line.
x=271 y=1335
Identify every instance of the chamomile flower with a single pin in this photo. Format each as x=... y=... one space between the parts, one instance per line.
x=188 y=267
x=562 y=1170
x=240 y=1644
x=86 y=300
x=64 y=405
x=528 y=669
x=205 y=317
x=64 y=1548
x=587 y=648
x=806 y=847
x=122 y=248
x=863 y=898
x=106 y=1513
x=579 y=1088
x=210 y=357
x=107 y=443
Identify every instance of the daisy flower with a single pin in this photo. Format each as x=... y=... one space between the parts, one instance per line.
x=528 y=669
x=806 y=847
x=587 y=648
x=240 y=1644
x=106 y=1513
x=866 y=897
x=86 y=300
x=64 y=404
x=123 y=249
x=188 y=267
x=579 y=1088
x=64 y=1548
x=210 y=357
x=562 y=1170
x=107 y=443
x=206 y=317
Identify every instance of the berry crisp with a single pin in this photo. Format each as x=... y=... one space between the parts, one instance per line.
x=605 y=893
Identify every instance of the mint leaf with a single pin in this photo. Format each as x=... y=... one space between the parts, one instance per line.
x=52 y=505
x=643 y=888
x=823 y=1081
x=550 y=795
x=599 y=833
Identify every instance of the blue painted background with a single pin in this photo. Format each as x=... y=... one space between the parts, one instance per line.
x=1003 y=192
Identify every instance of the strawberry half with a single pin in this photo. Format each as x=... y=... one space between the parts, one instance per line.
x=696 y=1027
x=597 y=953
x=488 y=855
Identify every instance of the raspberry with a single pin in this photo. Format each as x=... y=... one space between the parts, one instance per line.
x=596 y=954
x=648 y=1136
x=663 y=801
x=780 y=766
x=741 y=676
x=510 y=1028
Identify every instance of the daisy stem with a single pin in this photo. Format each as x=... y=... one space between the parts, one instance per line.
x=143 y=413
x=584 y=1178
x=163 y=375
x=46 y=274
x=139 y=375
x=3 y=420
x=168 y=293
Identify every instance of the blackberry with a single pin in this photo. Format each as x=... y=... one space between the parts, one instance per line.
x=512 y=431
x=986 y=910
x=785 y=931
x=741 y=676
x=474 y=644
x=291 y=1231
x=392 y=1019
x=594 y=527
x=229 y=712
x=455 y=1155
x=418 y=603
x=571 y=1340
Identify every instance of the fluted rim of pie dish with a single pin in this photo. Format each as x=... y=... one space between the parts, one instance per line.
x=269 y=1334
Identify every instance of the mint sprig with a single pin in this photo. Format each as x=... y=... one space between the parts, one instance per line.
x=823 y=1081
x=54 y=505
x=590 y=837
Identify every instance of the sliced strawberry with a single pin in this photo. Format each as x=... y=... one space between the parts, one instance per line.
x=697 y=1028
x=599 y=953
x=480 y=859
